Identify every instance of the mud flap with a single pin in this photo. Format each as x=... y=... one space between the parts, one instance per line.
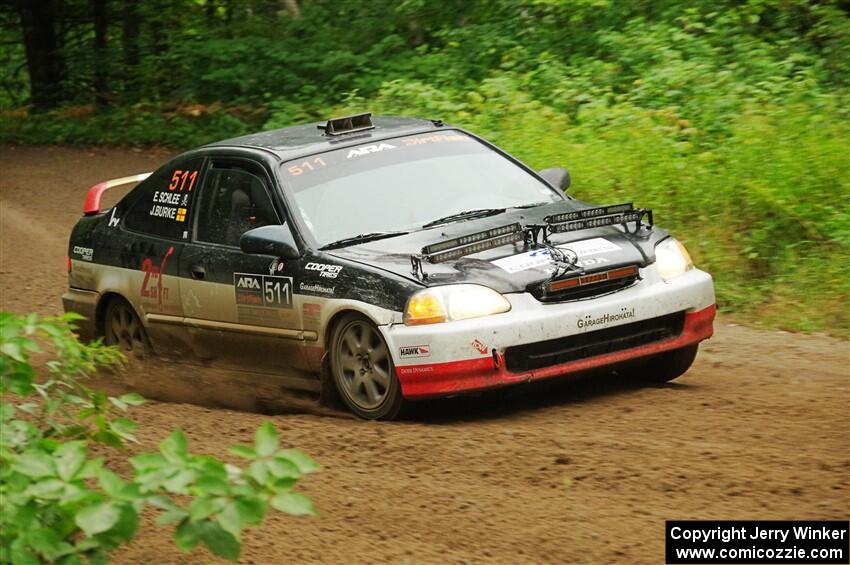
x=328 y=394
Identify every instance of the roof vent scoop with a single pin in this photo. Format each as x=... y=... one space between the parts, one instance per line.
x=348 y=124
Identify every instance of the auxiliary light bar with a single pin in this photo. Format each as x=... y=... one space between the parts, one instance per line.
x=634 y=216
x=596 y=217
x=473 y=243
x=557 y=223
x=589 y=213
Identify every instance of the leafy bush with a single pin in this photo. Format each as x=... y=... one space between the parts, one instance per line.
x=62 y=505
x=142 y=124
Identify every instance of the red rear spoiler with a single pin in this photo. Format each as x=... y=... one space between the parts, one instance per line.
x=92 y=204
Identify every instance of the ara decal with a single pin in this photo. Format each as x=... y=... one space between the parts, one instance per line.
x=263 y=290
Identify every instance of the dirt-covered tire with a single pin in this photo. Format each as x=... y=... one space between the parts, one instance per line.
x=666 y=366
x=123 y=329
x=362 y=369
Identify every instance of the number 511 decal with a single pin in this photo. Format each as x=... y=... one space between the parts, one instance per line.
x=263 y=290
x=179 y=178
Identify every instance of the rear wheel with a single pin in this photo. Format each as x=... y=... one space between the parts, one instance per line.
x=124 y=330
x=363 y=370
x=667 y=366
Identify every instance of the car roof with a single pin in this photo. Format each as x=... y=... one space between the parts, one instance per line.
x=292 y=142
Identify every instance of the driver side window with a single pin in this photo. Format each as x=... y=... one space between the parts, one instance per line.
x=234 y=200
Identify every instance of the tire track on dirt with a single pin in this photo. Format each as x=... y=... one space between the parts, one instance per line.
x=29 y=245
x=41 y=194
x=24 y=225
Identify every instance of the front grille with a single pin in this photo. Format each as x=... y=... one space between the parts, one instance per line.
x=583 y=291
x=541 y=354
x=586 y=286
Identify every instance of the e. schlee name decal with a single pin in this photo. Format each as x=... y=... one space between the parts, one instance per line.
x=750 y=541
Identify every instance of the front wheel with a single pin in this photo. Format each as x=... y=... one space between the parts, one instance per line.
x=363 y=370
x=666 y=366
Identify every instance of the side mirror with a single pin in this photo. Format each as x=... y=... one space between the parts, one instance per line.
x=270 y=240
x=557 y=177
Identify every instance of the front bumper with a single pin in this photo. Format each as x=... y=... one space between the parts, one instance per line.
x=84 y=303
x=456 y=357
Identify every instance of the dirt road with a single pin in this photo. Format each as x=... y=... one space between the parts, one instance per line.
x=569 y=472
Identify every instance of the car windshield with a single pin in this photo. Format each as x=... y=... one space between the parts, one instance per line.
x=401 y=184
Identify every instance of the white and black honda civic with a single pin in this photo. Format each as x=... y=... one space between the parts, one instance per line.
x=382 y=260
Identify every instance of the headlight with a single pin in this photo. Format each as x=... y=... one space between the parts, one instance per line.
x=672 y=259
x=453 y=302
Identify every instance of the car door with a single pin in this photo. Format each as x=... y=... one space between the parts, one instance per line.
x=145 y=236
x=239 y=307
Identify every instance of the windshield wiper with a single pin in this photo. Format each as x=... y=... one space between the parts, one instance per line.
x=362 y=238
x=465 y=215
x=532 y=205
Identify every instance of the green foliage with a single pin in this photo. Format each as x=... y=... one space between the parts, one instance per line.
x=61 y=505
x=141 y=124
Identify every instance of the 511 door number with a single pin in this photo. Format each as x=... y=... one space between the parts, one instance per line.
x=263 y=290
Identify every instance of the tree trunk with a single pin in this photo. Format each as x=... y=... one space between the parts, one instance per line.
x=45 y=62
x=101 y=61
x=291 y=7
x=130 y=47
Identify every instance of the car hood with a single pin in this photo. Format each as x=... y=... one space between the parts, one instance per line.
x=511 y=267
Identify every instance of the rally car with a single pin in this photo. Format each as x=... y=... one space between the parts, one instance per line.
x=382 y=260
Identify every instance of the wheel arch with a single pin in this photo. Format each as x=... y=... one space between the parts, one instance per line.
x=100 y=311
x=329 y=394
x=338 y=315
x=392 y=399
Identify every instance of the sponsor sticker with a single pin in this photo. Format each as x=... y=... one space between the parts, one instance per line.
x=604 y=319
x=366 y=149
x=263 y=290
x=540 y=257
x=317 y=288
x=153 y=289
x=312 y=312
x=414 y=370
x=276 y=266
x=591 y=246
x=480 y=347
x=434 y=138
x=85 y=253
x=411 y=351
x=325 y=270
x=260 y=316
